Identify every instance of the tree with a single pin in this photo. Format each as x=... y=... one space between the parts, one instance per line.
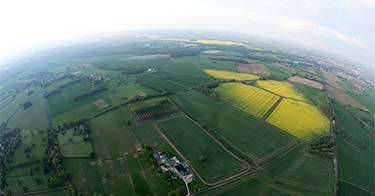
x=38 y=181
x=201 y=158
x=93 y=155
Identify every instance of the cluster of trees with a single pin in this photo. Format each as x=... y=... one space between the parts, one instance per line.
x=54 y=161
x=133 y=100
x=134 y=70
x=206 y=88
x=58 y=90
x=148 y=85
x=89 y=93
x=27 y=104
x=156 y=109
x=231 y=59
x=323 y=147
x=9 y=140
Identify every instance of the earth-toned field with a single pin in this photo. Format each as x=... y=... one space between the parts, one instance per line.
x=239 y=118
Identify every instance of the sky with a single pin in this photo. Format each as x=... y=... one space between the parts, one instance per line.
x=341 y=27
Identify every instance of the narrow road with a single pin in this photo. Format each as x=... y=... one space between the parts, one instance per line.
x=359 y=187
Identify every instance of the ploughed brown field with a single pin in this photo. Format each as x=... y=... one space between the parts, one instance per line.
x=332 y=79
x=257 y=69
x=343 y=98
x=307 y=82
x=100 y=104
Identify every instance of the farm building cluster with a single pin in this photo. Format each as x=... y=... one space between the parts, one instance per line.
x=179 y=169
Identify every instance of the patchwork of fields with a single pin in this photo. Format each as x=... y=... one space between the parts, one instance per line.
x=241 y=133
x=64 y=105
x=247 y=134
x=251 y=99
x=216 y=42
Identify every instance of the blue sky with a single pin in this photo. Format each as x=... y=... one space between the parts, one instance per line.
x=342 y=27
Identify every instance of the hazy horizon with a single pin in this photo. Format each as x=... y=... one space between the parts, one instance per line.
x=343 y=28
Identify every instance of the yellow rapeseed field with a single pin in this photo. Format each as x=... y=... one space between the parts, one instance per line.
x=155 y=37
x=251 y=99
x=230 y=75
x=300 y=119
x=284 y=89
x=216 y=42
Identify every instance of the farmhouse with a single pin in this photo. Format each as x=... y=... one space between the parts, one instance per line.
x=151 y=70
x=178 y=168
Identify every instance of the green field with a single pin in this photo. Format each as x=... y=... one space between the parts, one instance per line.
x=367 y=99
x=211 y=161
x=79 y=149
x=141 y=95
x=249 y=185
x=278 y=72
x=315 y=96
x=63 y=192
x=346 y=189
x=63 y=107
x=19 y=185
x=34 y=117
x=302 y=170
x=85 y=175
x=203 y=62
x=31 y=149
x=73 y=145
x=130 y=176
x=26 y=170
x=355 y=151
x=163 y=83
x=120 y=169
x=250 y=135
x=31 y=118
x=125 y=89
x=111 y=128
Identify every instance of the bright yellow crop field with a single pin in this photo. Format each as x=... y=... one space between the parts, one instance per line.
x=216 y=42
x=251 y=99
x=230 y=75
x=300 y=119
x=284 y=89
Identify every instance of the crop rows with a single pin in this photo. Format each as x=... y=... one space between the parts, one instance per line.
x=251 y=99
x=300 y=119
x=228 y=75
